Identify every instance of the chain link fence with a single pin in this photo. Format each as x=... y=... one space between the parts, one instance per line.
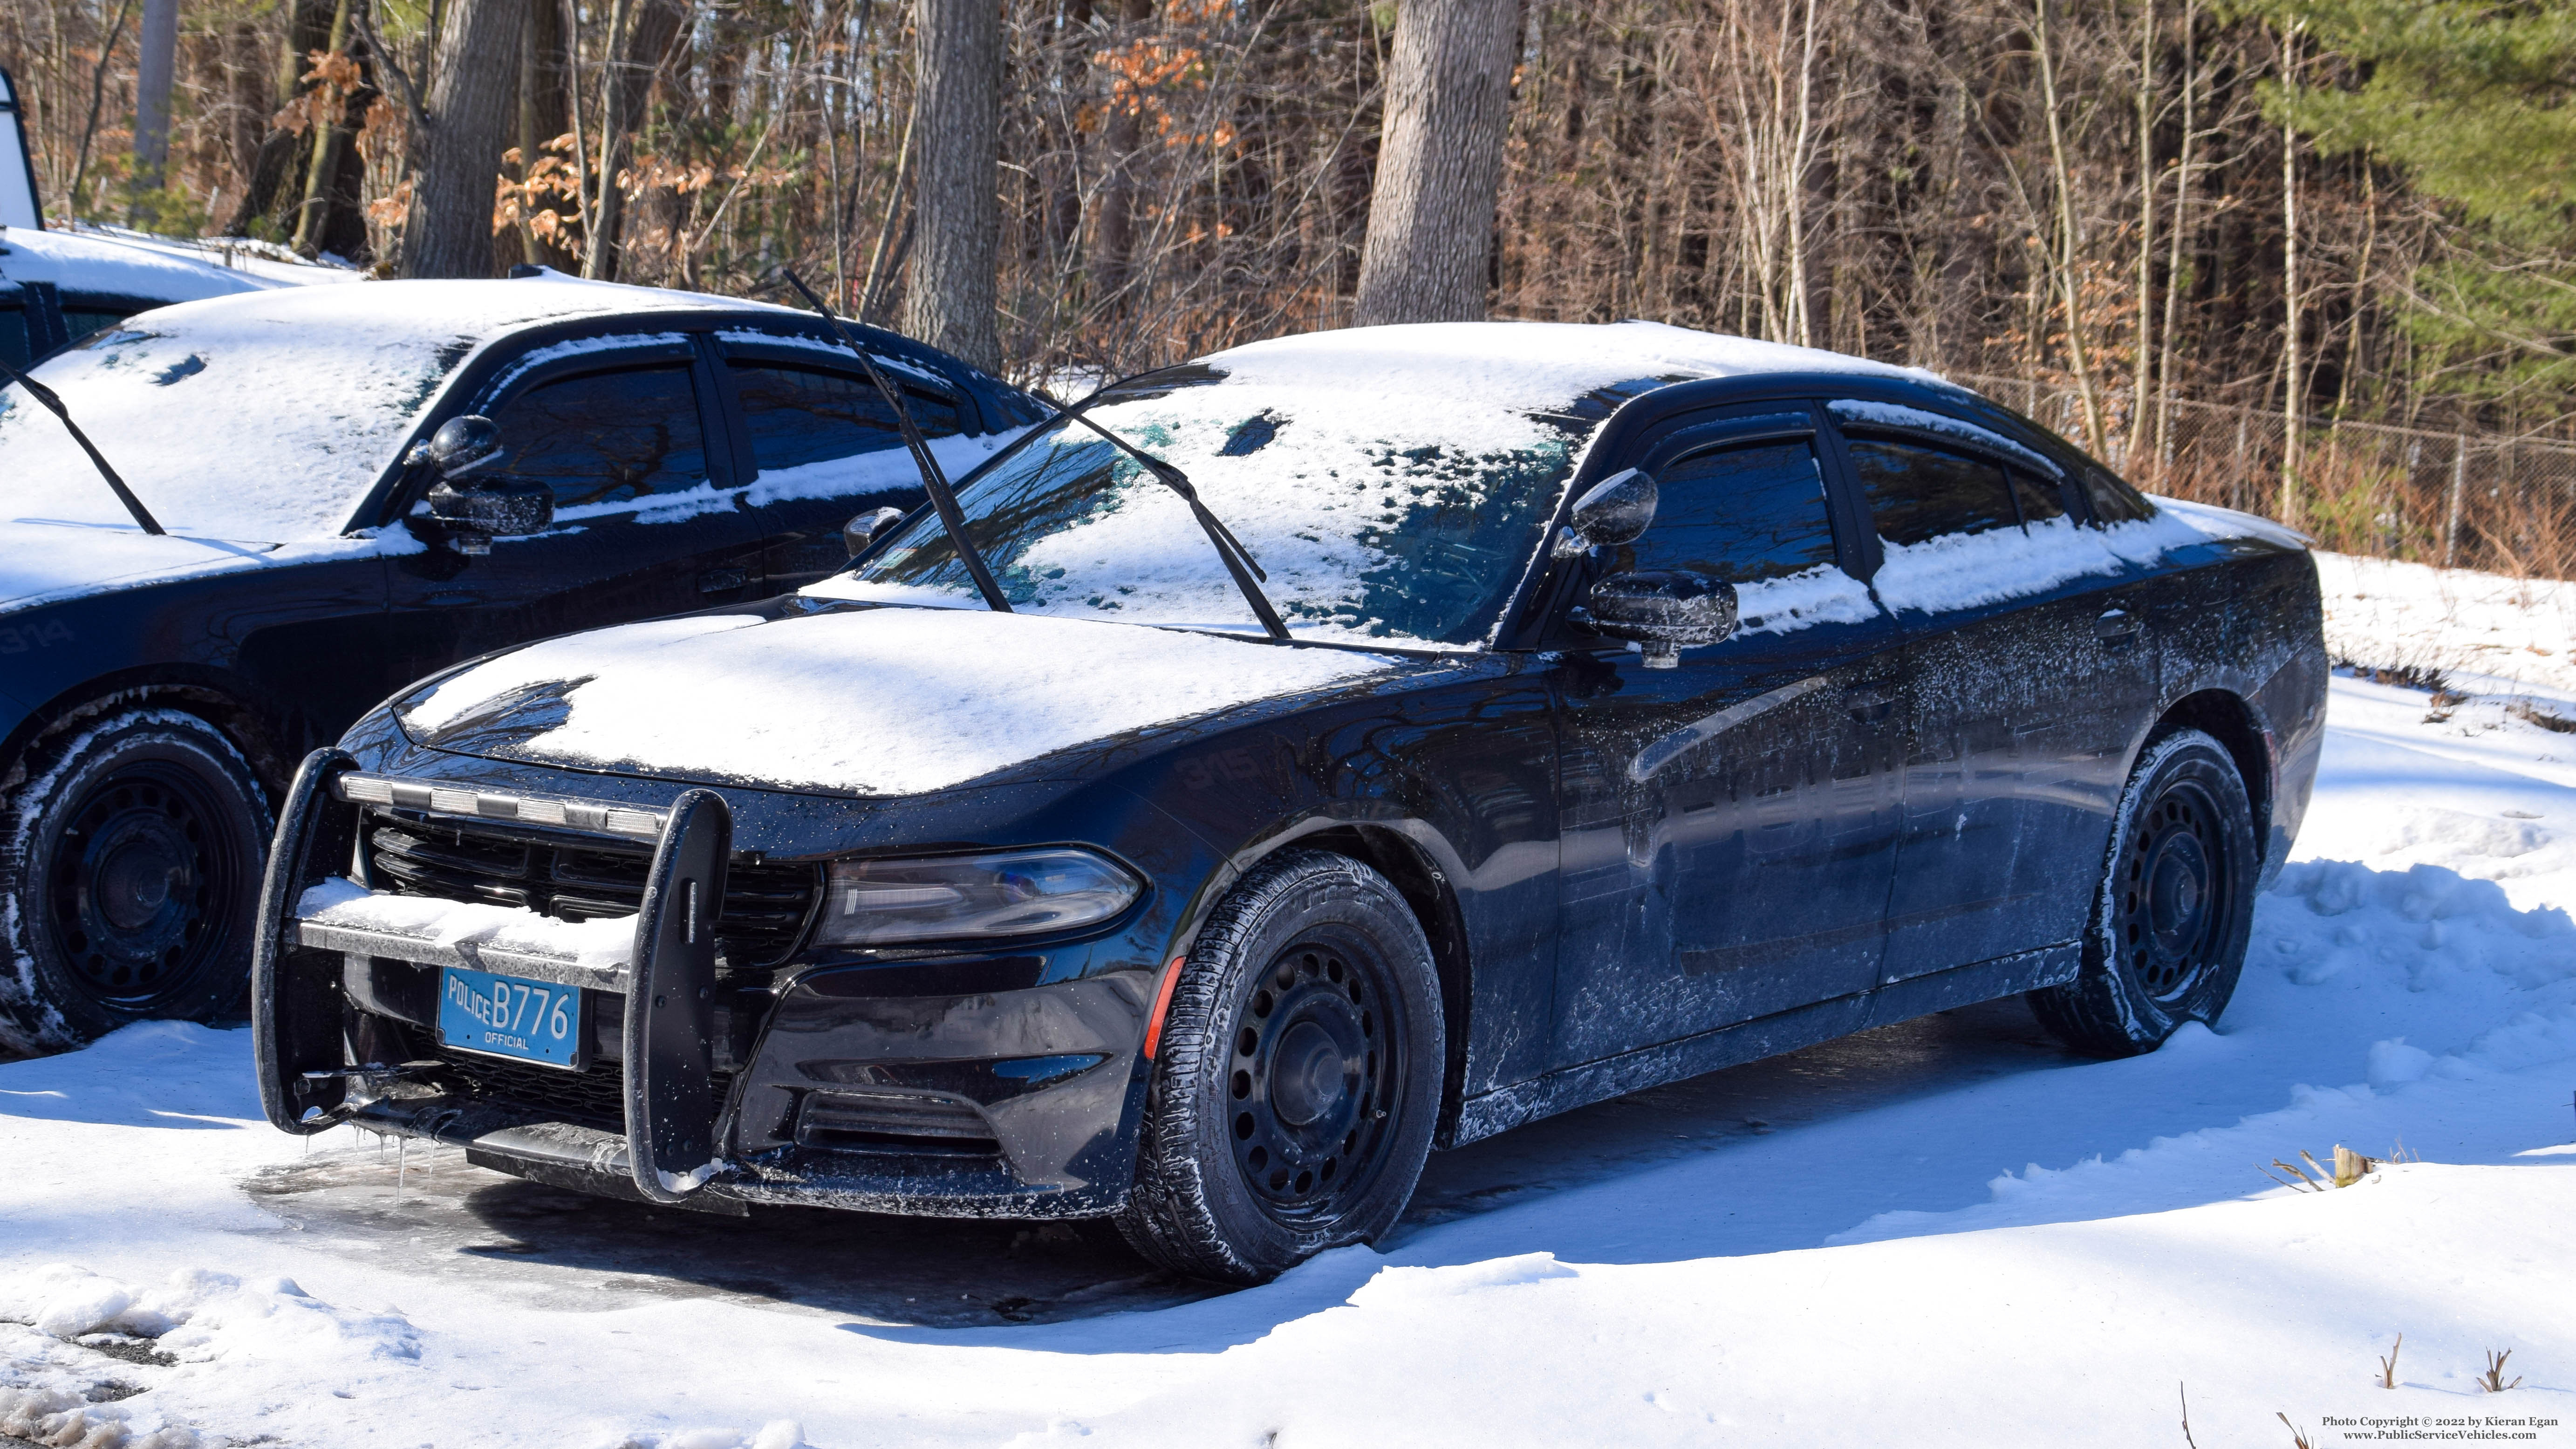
x=2502 y=504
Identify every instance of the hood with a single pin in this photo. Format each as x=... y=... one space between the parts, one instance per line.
x=43 y=560
x=865 y=700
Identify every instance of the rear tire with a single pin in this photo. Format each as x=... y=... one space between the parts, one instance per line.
x=2174 y=908
x=1297 y=1079
x=130 y=860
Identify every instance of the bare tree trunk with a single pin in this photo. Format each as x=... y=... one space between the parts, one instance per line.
x=2146 y=234
x=1114 y=265
x=544 y=94
x=2294 y=395
x=274 y=167
x=450 y=233
x=160 y=40
x=1431 y=217
x=949 y=295
x=637 y=57
x=330 y=219
x=2069 y=240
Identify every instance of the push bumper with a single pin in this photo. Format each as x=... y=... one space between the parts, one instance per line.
x=842 y=1086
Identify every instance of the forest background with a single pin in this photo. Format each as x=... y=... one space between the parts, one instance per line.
x=2343 y=229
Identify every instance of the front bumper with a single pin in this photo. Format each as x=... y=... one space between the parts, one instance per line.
x=958 y=1086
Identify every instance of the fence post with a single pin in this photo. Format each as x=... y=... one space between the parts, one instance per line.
x=2236 y=475
x=2459 y=481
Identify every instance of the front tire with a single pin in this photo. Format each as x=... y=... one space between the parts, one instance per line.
x=130 y=857
x=2175 y=906
x=1297 y=1078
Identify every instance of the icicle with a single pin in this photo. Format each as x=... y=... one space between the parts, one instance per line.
x=402 y=1165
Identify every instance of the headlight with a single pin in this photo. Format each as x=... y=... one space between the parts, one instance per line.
x=1018 y=893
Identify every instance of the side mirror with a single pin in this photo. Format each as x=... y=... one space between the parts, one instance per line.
x=475 y=503
x=861 y=532
x=1613 y=511
x=1664 y=611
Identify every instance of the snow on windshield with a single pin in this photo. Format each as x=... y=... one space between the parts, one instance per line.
x=267 y=416
x=1393 y=481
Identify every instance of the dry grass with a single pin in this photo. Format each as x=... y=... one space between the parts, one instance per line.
x=2349 y=1167
x=2492 y=1381
x=2388 y=1364
x=2298 y=1436
x=2523 y=709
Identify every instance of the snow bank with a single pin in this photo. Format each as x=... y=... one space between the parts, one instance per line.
x=605 y=944
x=2386 y=614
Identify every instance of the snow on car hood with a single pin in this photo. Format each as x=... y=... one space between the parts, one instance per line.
x=44 y=561
x=879 y=701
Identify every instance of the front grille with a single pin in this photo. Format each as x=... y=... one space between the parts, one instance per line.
x=765 y=906
x=890 y=1120
x=592 y=1098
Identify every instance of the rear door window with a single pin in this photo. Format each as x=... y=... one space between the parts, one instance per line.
x=608 y=437
x=797 y=416
x=1917 y=493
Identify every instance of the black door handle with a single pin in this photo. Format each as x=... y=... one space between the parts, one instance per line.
x=1869 y=703
x=722 y=581
x=2117 y=626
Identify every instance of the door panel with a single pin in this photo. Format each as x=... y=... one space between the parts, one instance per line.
x=1728 y=825
x=645 y=522
x=2011 y=704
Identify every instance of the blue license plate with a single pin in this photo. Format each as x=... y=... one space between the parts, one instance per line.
x=504 y=1016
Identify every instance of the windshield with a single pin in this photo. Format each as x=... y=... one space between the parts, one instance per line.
x=1377 y=517
x=261 y=417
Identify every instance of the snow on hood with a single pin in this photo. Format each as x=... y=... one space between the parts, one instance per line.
x=268 y=416
x=888 y=701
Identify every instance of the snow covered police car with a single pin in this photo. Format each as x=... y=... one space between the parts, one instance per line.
x=1297 y=759
x=253 y=545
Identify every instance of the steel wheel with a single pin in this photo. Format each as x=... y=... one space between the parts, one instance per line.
x=2175 y=898
x=1311 y=1076
x=140 y=878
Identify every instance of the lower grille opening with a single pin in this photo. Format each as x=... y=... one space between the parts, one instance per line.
x=594 y=1097
x=893 y=1120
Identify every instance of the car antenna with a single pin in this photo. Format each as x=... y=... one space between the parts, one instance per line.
x=933 y=481
x=54 y=405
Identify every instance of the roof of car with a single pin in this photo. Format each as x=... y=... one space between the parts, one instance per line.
x=1525 y=366
x=463 y=310
x=149 y=268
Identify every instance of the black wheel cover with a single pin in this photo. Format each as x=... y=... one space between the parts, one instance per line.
x=148 y=881
x=1312 y=1077
x=2176 y=902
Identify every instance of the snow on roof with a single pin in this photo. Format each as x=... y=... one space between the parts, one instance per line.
x=268 y=416
x=1520 y=366
x=154 y=269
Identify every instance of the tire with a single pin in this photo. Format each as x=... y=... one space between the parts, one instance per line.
x=2166 y=942
x=1299 y=1074
x=130 y=860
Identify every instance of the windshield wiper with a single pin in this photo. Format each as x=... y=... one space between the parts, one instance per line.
x=1239 y=560
x=43 y=394
x=933 y=481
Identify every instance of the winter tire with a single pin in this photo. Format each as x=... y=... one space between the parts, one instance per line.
x=2167 y=937
x=130 y=855
x=1297 y=1077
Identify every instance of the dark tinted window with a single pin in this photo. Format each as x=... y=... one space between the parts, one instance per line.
x=13 y=339
x=1917 y=493
x=798 y=416
x=80 y=323
x=608 y=437
x=2113 y=501
x=1741 y=514
x=2041 y=499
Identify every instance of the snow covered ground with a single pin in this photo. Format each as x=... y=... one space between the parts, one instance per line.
x=1942 y=1233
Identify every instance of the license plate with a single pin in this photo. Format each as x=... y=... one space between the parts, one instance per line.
x=504 y=1016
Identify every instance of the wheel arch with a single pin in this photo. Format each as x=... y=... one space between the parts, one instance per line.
x=2230 y=719
x=261 y=735
x=1409 y=854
